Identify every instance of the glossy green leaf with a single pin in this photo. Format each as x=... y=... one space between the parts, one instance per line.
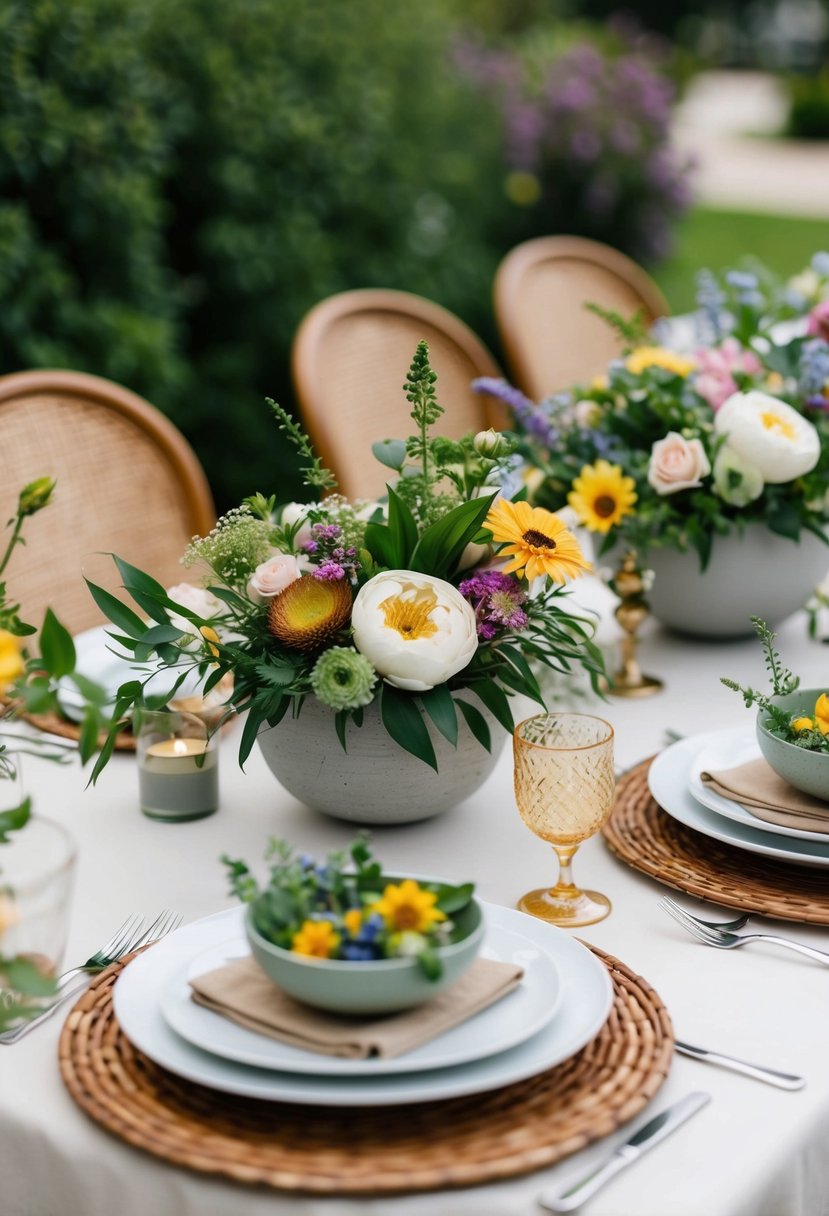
x=440 y=707
x=404 y=722
x=403 y=529
x=136 y=580
x=57 y=650
x=441 y=545
x=476 y=722
x=496 y=701
x=117 y=612
x=14 y=819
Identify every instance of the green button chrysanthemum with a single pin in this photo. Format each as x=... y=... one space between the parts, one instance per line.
x=343 y=679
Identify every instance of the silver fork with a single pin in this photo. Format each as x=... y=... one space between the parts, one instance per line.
x=666 y=903
x=727 y=940
x=129 y=937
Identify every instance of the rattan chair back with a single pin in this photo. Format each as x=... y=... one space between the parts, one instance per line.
x=350 y=356
x=127 y=483
x=551 y=341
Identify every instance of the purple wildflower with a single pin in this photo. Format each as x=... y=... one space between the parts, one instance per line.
x=329 y=571
x=496 y=599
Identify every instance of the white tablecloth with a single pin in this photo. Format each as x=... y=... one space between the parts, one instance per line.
x=754 y=1151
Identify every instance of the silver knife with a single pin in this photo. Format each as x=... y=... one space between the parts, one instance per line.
x=637 y=1145
x=783 y=1080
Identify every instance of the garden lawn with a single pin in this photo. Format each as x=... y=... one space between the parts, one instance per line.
x=720 y=239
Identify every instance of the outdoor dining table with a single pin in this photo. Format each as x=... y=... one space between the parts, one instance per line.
x=753 y=1151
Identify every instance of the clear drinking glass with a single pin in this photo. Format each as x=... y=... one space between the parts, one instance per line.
x=37 y=867
x=564 y=784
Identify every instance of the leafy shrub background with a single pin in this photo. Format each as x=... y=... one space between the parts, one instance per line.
x=181 y=180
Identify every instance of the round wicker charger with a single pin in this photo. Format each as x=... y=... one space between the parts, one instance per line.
x=380 y=1150
x=648 y=839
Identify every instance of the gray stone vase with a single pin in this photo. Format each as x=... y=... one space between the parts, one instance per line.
x=754 y=574
x=375 y=782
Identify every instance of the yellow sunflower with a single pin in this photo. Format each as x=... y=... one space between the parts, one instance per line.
x=602 y=496
x=536 y=541
x=316 y=938
x=657 y=356
x=408 y=907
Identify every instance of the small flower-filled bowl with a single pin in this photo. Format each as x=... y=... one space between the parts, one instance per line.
x=374 y=987
x=804 y=769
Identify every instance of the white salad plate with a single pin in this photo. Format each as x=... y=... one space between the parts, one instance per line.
x=510 y=1021
x=669 y=780
x=585 y=997
x=98 y=658
x=728 y=753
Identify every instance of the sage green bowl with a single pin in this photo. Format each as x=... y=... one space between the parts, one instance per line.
x=805 y=770
x=381 y=986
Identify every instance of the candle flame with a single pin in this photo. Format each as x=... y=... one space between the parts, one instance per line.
x=179 y=747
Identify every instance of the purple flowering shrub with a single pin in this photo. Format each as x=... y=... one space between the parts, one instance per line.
x=586 y=146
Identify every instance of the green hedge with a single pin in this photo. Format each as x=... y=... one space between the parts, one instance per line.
x=181 y=180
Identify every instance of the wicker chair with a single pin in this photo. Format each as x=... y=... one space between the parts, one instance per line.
x=127 y=483
x=350 y=358
x=550 y=339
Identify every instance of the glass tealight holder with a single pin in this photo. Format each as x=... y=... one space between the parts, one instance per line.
x=37 y=867
x=178 y=766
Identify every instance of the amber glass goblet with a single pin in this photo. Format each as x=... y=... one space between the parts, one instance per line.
x=564 y=782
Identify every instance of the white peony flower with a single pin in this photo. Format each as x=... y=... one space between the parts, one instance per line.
x=415 y=630
x=769 y=434
x=677 y=463
x=273 y=576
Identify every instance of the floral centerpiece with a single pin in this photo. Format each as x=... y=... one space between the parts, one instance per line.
x=675 y=448
x=353 y=913
x=444 y=589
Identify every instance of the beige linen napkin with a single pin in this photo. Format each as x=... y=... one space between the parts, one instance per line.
x=242 y=992
x=763 y=793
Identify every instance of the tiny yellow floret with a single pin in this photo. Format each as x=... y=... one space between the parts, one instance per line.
x=657 y=356
x=316 y=939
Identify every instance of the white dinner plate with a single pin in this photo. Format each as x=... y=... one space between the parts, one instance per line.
x=586 y=999
x=669 y=782
x=729 y=752
x=98 y=658
x=508 y=1022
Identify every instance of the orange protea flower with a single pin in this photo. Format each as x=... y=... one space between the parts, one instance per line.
x=408 y=907
x=537 y=542
x=316 y=939
x=657 y=356
x=602 y=496
x=309 y=612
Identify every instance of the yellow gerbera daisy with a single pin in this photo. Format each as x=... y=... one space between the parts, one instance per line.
x=536 y=541
x=408 y=907
x=657 y=356
x=602 y=496
x=316 y=938
x=822 y=714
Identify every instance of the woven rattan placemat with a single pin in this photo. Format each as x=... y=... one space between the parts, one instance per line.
x=650 y=840
x=381 y=1150
x=55 y=724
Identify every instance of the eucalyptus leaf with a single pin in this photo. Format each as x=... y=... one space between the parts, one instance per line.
x=390 y=452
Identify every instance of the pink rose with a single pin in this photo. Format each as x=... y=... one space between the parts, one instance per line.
x=273 y=576
x=677 y=464
x=716 y=365
x=818 y=324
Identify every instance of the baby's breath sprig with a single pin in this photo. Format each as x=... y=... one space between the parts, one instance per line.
x=235 y=547
x=315 y=475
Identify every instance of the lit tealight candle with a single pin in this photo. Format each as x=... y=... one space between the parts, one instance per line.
x=178 y=778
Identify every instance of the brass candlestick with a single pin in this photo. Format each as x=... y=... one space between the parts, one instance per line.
x=631 y=614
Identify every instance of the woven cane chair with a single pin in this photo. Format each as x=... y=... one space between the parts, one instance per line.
x=127 y=483
x=350 y=357
x=550 y=339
